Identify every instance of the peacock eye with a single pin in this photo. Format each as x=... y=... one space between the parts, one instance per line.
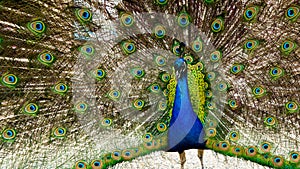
x=215 y=56
x=276 y=72
x=31 y=109
x=137 y=72
x=162 y=105
x=159 y=31
x=234 y=136
x=160 y=60
x=87 y=50
x=127 y=154
x=208 y=93
x=116 y=155
x=236 y=150
x=183 y=19
x=212 y=123
x=37 y=27
x=80 y=165
x=210 y=105
x=128 y=47
x=250 y=13
x=138 y=104
x=292 y=106
x=59 y=132
x=251 y=45
x=224 y=145
x=211 y=76
x=232 y=103
x=155 y=88
x=251 y=151
x=114 y=94
x=294 y=157
x=81 y=107
x=211 y=132
x=8 y=134
x=161 y=127
x=9 y=80
x=46 y=58
x=84 y=15
x=258 y=91
x=96 y=164
x=237 y=68
x=278 y=161
x=165 y=77
x=98 y=74
x=188 y=58
x=270 y=121
x=147 y=137
x=292 y=13
x=222 y=86
x=127 y=19
x=287 y=47
x=265 y=147
x=106 y=122
x=60 y=88
x=217 y=25
x=200 y=66
x=197 y=45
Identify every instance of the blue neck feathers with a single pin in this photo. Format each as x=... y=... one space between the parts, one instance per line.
x=186 y=130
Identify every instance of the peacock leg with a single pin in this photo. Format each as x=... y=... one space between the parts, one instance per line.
x=182 y=159
x=200 y=155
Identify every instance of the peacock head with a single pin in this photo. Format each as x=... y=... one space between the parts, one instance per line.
x=180 y=65
x=180 y=68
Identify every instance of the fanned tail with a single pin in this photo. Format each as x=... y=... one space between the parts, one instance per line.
x=88 y=84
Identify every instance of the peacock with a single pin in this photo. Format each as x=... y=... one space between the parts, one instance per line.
x=94 y=84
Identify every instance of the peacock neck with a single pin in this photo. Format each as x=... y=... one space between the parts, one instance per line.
x=182 y=110
x=186 y=130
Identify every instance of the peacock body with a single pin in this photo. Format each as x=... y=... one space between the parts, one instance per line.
x=99 y=84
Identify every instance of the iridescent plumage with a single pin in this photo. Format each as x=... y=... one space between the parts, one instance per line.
x=91 y=84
